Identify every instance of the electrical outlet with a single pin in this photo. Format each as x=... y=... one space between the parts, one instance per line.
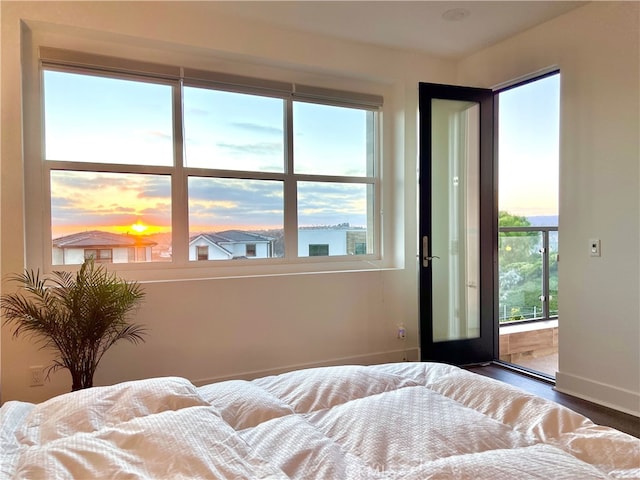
x=402 y=332
x=36 y=376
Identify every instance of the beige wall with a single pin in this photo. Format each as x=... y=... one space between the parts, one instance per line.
x=597 y=50
x=208 y=329
x=211 y=329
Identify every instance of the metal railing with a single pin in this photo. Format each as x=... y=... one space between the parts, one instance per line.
x=528 y=274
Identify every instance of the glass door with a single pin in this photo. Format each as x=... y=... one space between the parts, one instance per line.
x=458 y=225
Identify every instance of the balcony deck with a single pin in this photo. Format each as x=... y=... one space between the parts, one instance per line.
x=531 y=345
x=547 y=364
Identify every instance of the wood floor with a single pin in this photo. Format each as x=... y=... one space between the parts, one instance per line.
x=597 y=413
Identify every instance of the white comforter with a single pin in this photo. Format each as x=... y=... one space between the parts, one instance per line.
x=407 y=420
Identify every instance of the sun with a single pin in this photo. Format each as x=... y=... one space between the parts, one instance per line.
x=139 y=227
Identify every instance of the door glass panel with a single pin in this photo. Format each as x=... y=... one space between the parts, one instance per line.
x=455 y=219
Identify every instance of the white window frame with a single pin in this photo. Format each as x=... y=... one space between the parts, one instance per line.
x=39 y=246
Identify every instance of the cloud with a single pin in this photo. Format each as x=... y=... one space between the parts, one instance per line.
x=89 y=199
x=255 y=127
x=234 y=201
x=254 y=202
x=261 y=148
x=201 y=112
x=159 y=134
x=155 y=186
x=322 y=203
x=92 y=198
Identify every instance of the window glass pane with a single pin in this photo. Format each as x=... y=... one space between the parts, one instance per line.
x=98 y=119
x=316 y=250
x=233 y=131
x=330 y=140
x=106 y=214
x=235 y=218
x=335 y=215
x=455 y=209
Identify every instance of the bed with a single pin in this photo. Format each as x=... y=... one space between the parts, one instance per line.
x=390 y=421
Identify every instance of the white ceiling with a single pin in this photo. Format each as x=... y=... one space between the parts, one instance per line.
x=415 y=25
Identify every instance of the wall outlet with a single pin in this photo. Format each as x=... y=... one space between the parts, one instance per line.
x=402 y=332
x=36 y=376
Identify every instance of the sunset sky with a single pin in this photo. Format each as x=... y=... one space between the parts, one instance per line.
x=529 y=148
x=126 y=123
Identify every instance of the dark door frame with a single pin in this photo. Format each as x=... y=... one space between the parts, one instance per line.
x=486 y=348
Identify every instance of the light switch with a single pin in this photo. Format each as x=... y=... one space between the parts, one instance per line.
x=594 y=247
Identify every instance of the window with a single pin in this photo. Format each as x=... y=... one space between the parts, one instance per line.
x=265 y=165
x=318 y=250
x=101 y=255
x=141 y=254
x=203 y=253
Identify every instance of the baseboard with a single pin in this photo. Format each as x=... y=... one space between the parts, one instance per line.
x=607 y=395
x=410 y=354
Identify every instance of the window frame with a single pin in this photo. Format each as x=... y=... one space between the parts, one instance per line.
x=250 y=250
x=110 y=67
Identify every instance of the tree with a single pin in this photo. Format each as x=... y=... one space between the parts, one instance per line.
x=520 y=269
x=506 y=219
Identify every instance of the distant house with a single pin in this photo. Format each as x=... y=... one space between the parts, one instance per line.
x=104 y=247
x=230 y=244
x=341 y=239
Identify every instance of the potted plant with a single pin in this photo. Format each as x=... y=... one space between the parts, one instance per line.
x=77 y=315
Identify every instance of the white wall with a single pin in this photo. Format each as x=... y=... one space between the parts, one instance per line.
x=597 y=50
x=215 y=328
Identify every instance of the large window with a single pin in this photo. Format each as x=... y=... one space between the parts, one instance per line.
x=164 y=161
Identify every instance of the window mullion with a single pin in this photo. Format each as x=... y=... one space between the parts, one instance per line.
x=290 y=187
x=106 y=167
x=240 y=174
x=179 y=190
x=333 y=178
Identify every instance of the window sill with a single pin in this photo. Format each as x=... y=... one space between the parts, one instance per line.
x=149 y=273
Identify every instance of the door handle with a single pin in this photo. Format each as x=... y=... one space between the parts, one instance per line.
x=425 y=252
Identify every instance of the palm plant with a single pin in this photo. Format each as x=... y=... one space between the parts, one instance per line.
x=78 y=316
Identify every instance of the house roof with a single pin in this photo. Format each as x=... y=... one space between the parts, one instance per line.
x=97 y=238
x=232 y=236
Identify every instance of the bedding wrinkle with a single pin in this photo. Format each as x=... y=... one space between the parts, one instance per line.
x=325 y=387
x=243 y=404
x=410 y=421
x=524 y=412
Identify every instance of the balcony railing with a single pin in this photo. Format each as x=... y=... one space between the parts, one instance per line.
x=528 y=274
